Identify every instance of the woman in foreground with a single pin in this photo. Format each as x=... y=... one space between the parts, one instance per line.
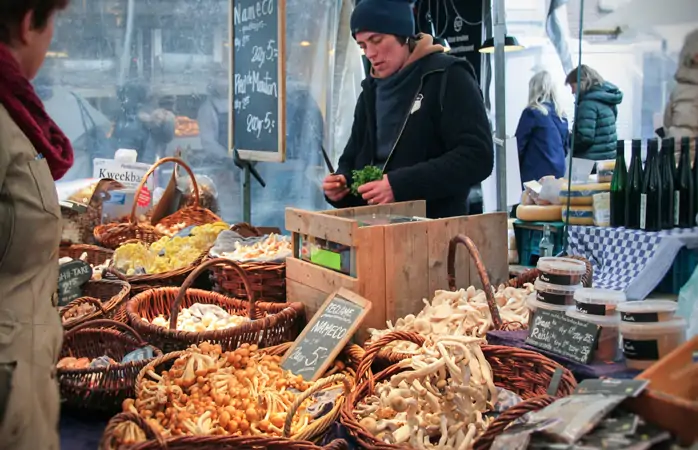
x=33 y=153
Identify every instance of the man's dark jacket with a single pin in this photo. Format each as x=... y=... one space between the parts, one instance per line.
x=445 y=146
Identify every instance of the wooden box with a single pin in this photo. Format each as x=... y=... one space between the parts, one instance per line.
x=395 y=266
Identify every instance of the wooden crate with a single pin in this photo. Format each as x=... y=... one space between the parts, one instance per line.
x=394 y=266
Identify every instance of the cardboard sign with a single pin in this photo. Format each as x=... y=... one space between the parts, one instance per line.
x=326 y=334
x=557 y=333
x=71 y=277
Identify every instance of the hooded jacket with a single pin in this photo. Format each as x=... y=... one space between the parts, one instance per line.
x=595 y=122
x=681 y=114
x=444 y=145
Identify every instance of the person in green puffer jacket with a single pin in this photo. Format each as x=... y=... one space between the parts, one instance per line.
x=595 y=118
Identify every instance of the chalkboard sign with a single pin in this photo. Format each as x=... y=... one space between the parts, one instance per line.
x=71 y=277
x=258 y=85
x=326 y=334
x=557 y=333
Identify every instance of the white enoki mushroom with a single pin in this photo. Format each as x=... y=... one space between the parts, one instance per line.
x=438 y=402
x=461 y=313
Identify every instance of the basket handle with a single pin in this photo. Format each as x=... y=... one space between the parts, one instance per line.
x=152 y=170
x=477 y=260
x=364 y=368
x=104 y=323
x=152 y=365
x=316 y=387
x=174 y=310
x=150 y=432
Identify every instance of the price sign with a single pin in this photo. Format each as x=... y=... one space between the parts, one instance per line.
x=326 y=334
x=258 y=79
x=71 y=277
x=557 y=333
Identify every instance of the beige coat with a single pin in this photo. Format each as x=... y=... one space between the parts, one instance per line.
x=30 y=329
x=681 y=114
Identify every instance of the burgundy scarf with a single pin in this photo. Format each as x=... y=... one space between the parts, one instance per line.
x=24 y=106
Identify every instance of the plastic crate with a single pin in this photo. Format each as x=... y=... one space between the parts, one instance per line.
x=528 y=236
x=682 y=269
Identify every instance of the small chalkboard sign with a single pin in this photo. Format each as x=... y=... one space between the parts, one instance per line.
x=326 y=335
x=557 y=333
x=71 y=277
x=258 y=80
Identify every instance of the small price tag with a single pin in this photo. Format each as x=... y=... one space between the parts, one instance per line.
x=71 y=277
x=144 y=197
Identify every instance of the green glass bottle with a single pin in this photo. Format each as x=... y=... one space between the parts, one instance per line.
x=633 y=187
x=618 y=185
x=651 y=197
x=685 y=208
x=667 y=173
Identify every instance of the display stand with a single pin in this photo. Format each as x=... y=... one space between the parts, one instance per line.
x=394 y=265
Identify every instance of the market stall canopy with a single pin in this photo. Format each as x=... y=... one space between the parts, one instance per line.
x=641 y=15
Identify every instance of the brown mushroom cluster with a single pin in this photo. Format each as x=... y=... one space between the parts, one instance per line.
x=208 y=392
x=438 y=401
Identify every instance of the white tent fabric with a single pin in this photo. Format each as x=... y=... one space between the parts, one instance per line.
x=641 y=15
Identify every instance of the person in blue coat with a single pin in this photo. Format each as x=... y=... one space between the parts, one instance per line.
x=542 y=136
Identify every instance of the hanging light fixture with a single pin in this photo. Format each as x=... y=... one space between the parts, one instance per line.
x=437 y=40
x=511 y=44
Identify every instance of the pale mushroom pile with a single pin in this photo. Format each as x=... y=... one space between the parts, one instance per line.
x=272 y=247
x=201 y=317
x=461 y=313
x=438 y=402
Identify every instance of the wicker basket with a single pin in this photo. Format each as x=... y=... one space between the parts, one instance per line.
x=109 y=296
x=100 y=389
x=189 y=215
x=523 y=372
x=157 y=442
x=270 y=324
x=96 y=256
x=352 y=355
x=267 y=281
x=142 y=283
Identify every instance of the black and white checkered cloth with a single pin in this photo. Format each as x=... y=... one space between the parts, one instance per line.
x=633 y=261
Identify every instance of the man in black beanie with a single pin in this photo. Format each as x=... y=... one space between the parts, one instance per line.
x=420 y=118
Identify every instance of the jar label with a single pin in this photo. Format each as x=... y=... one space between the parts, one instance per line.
x=553 y=299
x=641 y=350
x=639 y=317
x=562 y=280
x=590 y=308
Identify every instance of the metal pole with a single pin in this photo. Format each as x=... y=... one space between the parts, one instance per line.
x=500 y=31
x=247 y=194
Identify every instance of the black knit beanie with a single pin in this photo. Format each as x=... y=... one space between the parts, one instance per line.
x=383 y=16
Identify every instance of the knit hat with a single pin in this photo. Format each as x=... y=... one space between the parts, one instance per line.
x=383 y=16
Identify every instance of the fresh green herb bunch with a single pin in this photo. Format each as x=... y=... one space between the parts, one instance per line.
x=365 y=175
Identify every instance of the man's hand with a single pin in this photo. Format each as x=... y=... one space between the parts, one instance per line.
x=377 y=192
x=335 y=187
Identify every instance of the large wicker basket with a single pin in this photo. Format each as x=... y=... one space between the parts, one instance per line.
x=523 y=372
x=157 y=442
x=100 y=389
x=270 y=323
x=112 y=235
x=343 y=370
x=109 y=298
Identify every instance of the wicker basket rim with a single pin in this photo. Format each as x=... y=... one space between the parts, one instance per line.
x=118 y=366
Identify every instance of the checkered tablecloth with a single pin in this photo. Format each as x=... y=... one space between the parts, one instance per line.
x=633 y=261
